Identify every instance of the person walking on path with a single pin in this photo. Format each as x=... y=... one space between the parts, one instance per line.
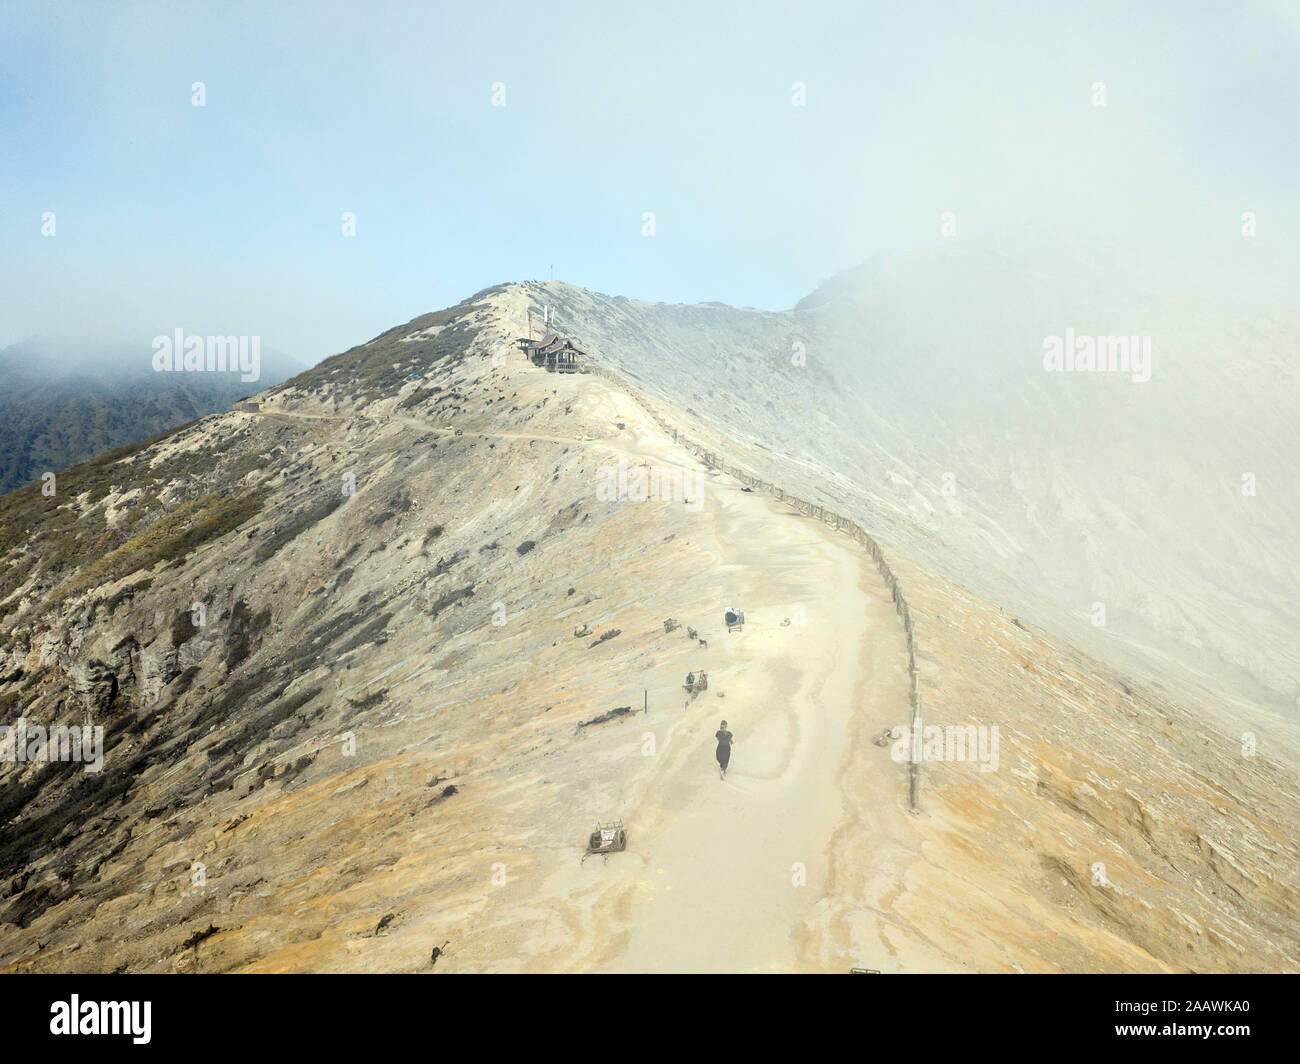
x=725 y=739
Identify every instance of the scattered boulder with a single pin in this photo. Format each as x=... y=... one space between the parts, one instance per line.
x=606 y=636
x=355 y=785
x=199 y=936
x=613 y=714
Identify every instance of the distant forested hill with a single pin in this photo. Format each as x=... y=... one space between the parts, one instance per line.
x=59 y=407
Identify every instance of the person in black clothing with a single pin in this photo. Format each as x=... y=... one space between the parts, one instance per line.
x=725 y=739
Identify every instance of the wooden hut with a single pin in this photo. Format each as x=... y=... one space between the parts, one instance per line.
x=557 y=354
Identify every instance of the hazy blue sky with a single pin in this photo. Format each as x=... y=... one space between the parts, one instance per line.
x=227 y=217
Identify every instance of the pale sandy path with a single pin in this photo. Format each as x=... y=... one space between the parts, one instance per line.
x=719 y=892
x=774 y=869
x=708 y=883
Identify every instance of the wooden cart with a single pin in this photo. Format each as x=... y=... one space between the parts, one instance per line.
x=606 y=839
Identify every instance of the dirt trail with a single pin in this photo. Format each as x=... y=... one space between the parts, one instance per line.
x=733 y=881
x=787 y=863
x=742 y=875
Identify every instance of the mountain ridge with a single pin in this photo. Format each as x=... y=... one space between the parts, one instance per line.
x=228 y=798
